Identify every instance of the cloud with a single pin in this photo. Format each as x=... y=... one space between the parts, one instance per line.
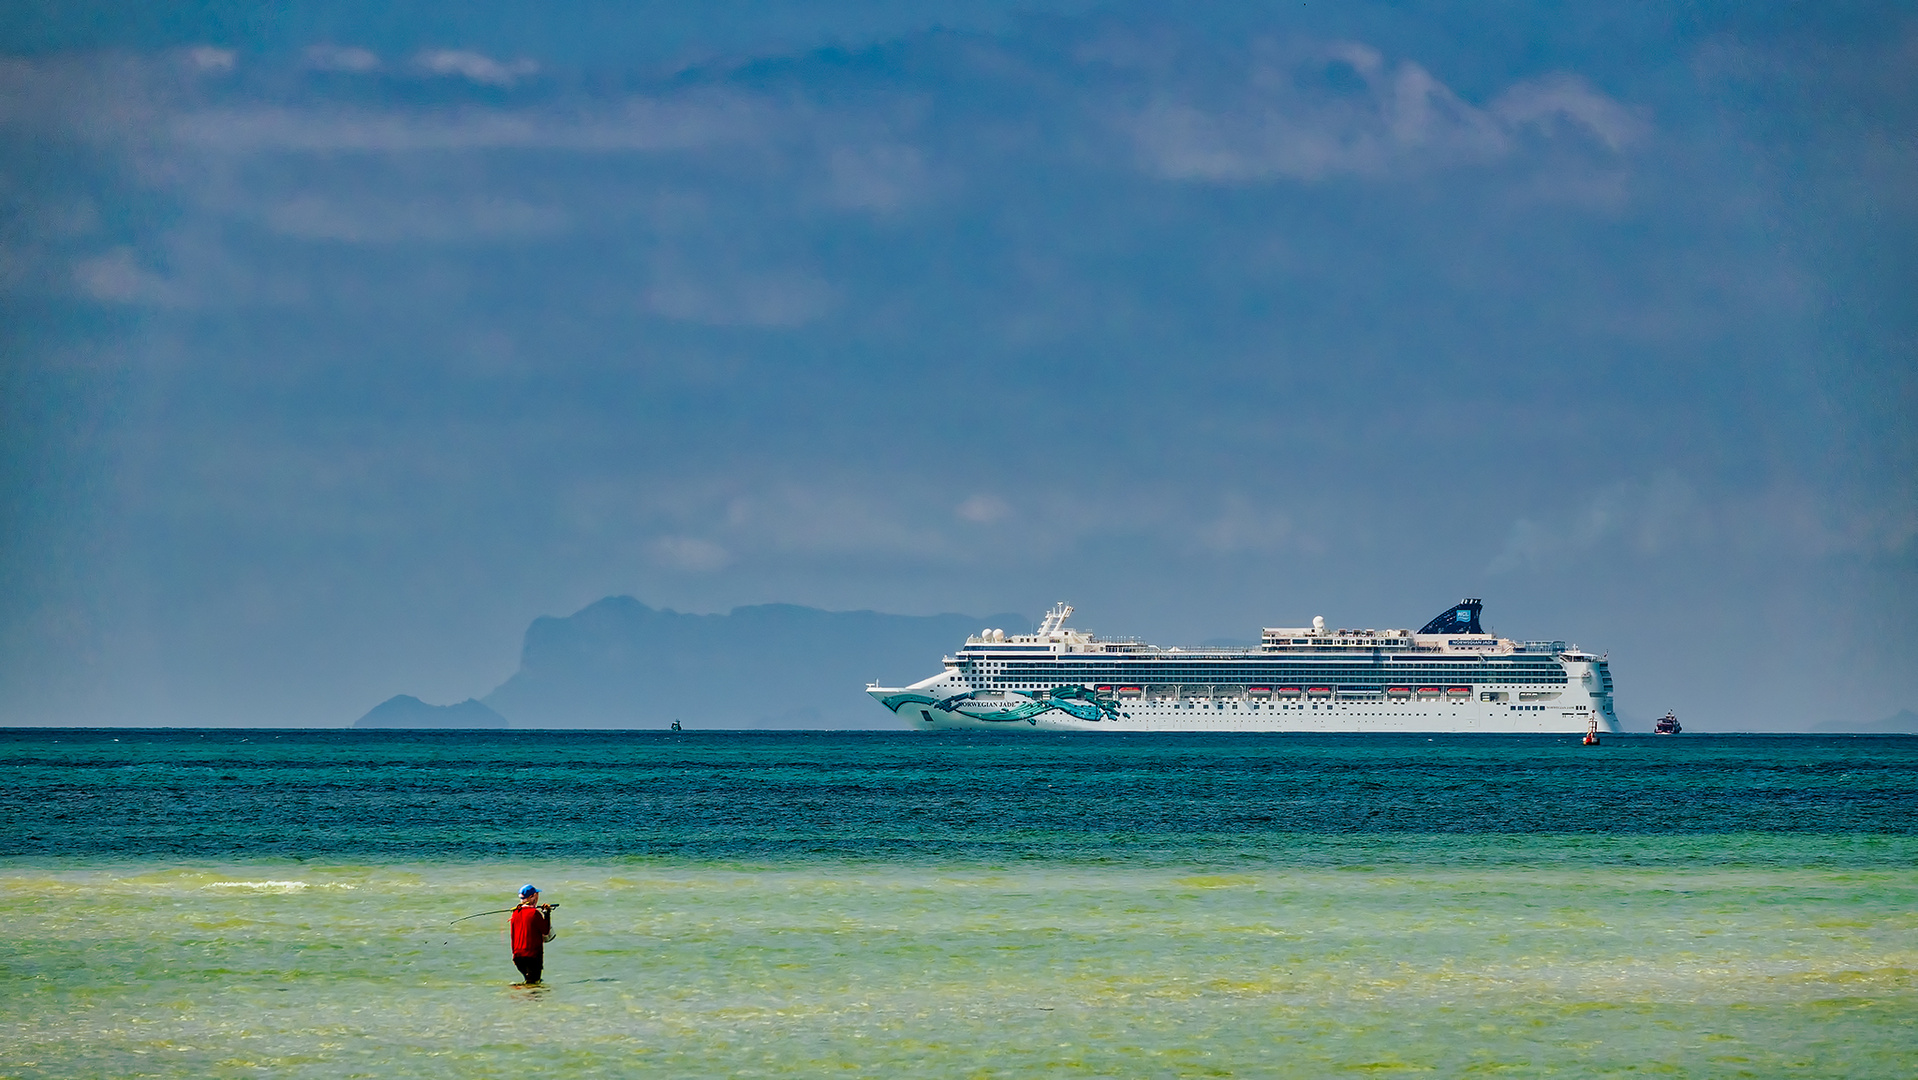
x=691 y=554
x=1666 y=516
x=375 y=221
x=771 y=299
x=983 y=509
x=209 y=60
x=103 y=100
x=117 y=277
x=1645 y=517
x=341 y=58
x=635 y=124
x=1341 y=109
x=1241 y=526
x=881 y=178
x=475 y=67
x=1564 y=98
x=764 y=521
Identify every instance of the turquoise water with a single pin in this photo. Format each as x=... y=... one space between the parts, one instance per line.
x=190 y=904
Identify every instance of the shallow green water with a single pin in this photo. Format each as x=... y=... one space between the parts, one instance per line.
x=305 y=970
x=200 y=904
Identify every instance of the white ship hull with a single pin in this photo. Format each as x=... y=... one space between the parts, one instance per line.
x=1441 y=717
x=1306 y=680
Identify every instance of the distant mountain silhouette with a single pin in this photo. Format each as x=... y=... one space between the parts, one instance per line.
x=1904 y=721
x=407 y=711
x=619 y=663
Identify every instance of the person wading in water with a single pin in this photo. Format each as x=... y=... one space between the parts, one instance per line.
x=532 y=928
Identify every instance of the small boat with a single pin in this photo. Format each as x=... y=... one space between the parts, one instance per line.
x=1667 y=725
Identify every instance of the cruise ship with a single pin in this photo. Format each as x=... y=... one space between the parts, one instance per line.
x=1450 y=676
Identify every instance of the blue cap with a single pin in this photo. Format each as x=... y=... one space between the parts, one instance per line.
x=527 y=890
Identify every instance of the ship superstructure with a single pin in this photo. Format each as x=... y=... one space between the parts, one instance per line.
x=1448 y=676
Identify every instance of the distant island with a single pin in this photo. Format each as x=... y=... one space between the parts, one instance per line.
x=1902 y=722
x=407 y=711
x=618 y=663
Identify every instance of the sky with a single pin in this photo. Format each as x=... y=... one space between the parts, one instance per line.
x=341 y=341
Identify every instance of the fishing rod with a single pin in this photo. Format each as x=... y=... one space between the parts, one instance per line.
x=501 y=911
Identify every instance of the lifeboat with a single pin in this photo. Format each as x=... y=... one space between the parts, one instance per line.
x=1459 y=691
x=1319 y=692
x=1398 y=691
x=1428 y=691
x=1288 y=691
x=1128 y=691
x=1259 y=691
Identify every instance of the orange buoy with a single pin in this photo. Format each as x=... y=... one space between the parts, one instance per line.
x=1591 y=733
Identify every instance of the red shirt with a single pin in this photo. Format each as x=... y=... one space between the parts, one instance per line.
x=530 y=926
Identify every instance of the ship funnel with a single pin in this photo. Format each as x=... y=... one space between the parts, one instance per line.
x=1460 y=618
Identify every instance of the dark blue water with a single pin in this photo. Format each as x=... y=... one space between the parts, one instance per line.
x=812 y=795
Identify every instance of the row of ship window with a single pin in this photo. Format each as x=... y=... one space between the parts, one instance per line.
x=1220 y=661
x=1015 y=682
x=1164 y=669
x=1263 y=676
x=1221 y=690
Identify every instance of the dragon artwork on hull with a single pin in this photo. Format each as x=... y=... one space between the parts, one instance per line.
x=1074 y=701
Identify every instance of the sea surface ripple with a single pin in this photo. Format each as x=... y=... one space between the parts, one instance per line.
x=809 y=795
